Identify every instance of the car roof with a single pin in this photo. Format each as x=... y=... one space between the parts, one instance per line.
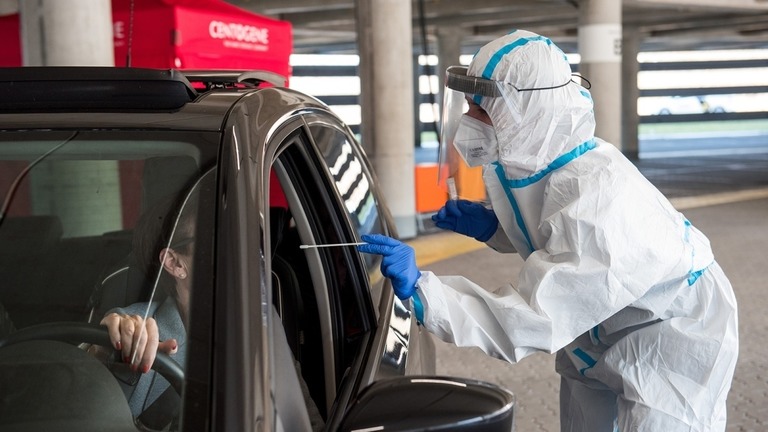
x=158 y=99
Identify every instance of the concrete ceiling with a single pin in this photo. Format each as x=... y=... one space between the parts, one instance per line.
x=328 y=26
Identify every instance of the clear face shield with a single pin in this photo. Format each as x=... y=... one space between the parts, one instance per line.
x=466 y=142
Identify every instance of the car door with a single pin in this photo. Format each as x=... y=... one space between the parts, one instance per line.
x=324 y=290
x=400 y=346
x=321 y=295
x=367 y=333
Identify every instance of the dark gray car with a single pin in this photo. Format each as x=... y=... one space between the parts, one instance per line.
x=101 y=167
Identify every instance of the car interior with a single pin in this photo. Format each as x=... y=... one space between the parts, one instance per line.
x=70 y=202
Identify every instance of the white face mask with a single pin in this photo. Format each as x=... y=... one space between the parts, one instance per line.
x=476 y=142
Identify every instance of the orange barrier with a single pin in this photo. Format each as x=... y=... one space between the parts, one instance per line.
x=430 y=197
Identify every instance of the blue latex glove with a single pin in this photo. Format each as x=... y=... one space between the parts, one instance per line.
x=468 y=218
x=399 y=263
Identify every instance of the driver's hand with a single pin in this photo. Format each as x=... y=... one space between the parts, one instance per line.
x=138 y=348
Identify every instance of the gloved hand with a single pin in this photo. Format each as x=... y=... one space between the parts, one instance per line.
x=468 y=218
x=399 y=263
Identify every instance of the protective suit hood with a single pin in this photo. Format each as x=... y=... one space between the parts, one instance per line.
x=542 y=114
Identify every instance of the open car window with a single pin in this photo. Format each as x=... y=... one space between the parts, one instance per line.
x=336 y=311
x=354 y=183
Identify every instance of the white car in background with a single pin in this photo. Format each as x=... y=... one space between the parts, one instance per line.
x=715 y=104
x=738 y=102
x=667 y=105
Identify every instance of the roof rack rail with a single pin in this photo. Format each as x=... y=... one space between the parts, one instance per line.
x=218 y=78
x=92 y=88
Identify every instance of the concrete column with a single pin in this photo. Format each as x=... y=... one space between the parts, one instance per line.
x=8 y=7
x=630 y=92
x=387 y=103
x=600 y=49
x=66 y=33
x=78 y=192
x=365 y=70
x=72 y=33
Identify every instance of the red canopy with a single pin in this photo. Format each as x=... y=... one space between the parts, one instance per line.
x=10 y=49
x=184 y=34
x=199 y=34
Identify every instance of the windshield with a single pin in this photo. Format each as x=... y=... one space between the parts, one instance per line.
x=89 y=224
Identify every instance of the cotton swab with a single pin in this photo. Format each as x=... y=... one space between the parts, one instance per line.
x=330 y=245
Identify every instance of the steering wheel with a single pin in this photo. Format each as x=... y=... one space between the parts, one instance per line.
x=76 y=332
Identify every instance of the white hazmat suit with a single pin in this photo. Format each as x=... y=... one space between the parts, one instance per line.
x=615 y=280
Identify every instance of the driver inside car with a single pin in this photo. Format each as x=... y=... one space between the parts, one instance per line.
x=164 y=245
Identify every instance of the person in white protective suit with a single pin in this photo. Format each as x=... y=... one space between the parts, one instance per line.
x=615 y=280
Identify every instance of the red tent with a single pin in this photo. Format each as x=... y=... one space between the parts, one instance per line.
x=199 y=34
x=10 y=52
x=184 y=34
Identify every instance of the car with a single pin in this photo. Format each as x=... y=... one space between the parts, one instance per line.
x=288 y=326
x=737 y=102
x=669 y=105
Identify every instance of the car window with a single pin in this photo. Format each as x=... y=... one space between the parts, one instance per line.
x=352 y=180
x=73 y=206
x=337 y=313
x=355 y=185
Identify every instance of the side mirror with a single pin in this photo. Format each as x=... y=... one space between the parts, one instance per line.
x=417 y=403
